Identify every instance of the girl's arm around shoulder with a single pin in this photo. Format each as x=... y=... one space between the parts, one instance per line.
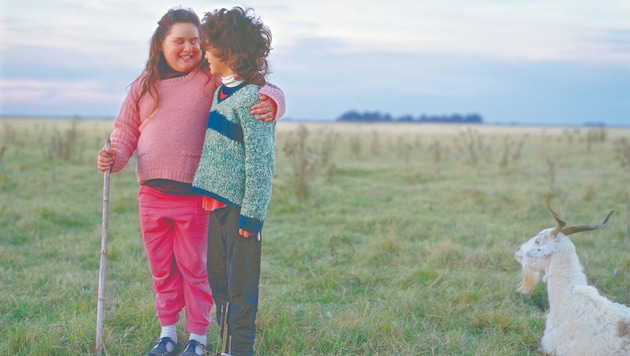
x=277 y=96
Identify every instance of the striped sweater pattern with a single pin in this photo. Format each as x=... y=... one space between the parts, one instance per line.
x=238 y=160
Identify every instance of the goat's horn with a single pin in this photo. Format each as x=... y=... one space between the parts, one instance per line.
x=560 y=222
x=573 y=230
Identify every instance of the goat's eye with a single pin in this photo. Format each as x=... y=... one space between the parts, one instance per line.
x=537 y=242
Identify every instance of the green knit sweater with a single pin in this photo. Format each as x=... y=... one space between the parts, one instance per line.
x=238 y=159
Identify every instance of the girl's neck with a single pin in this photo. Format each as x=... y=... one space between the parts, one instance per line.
x=169 y=73
x=173 y=74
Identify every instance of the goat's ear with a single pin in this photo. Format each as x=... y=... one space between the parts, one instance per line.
x=540 y=252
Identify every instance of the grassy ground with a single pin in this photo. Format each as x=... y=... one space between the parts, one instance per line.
x=380 y=240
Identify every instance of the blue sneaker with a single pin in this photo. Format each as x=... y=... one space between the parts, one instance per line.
x=166 y=347
x=194 y=348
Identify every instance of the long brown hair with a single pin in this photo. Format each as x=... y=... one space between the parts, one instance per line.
x=240 y=39
x=157 y=68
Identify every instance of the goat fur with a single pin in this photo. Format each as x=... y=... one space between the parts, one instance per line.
x=580 y=321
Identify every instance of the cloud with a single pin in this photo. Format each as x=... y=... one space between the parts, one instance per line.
x=43 y=97
x=399 y=83
x=516 y=59
x=531 y=30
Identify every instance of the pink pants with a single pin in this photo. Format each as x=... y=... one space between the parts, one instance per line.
x=175 y=233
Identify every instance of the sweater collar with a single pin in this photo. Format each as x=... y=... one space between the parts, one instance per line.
x=225 y=91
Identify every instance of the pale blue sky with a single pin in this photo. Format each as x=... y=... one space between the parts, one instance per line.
x=520 y=61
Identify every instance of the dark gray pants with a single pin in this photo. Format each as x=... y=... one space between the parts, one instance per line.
x=234 y=275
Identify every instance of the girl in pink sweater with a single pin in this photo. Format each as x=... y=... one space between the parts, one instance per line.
x=163 y=119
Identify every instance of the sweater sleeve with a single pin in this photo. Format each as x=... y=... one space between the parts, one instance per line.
x=277 y=95
x=259 y=141
x=124 y=138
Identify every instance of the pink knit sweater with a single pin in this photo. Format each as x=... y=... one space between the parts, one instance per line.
x=169 y=141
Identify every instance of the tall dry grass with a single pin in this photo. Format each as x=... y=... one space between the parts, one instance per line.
x=402 y=245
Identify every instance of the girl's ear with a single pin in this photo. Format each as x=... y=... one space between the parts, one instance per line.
x=540 y=252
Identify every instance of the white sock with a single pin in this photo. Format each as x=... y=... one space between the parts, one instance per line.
x=202 y=339
x=169 y=331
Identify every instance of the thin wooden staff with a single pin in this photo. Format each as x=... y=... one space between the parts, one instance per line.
x=226 y=348
x=103 y=267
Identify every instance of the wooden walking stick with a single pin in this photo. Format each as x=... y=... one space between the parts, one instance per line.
x=103 y=267
x=226 y=347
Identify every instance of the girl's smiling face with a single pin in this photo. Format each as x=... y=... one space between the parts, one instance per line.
x=181 y=47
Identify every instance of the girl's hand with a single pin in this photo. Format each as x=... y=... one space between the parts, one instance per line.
x=265 y=110
x=105 y=159
x=245 y=233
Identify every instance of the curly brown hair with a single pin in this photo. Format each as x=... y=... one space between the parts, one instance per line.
x=156 y=68
x=240 y=39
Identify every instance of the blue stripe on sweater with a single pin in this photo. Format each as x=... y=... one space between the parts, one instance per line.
x=222 y=125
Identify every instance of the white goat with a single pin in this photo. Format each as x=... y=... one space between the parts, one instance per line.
x=580 y=321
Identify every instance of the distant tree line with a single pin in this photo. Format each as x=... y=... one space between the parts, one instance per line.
x=355 y=116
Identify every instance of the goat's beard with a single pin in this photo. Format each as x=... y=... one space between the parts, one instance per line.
x=529 y=281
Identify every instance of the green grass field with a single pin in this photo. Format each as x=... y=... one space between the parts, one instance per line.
x=380 y=239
